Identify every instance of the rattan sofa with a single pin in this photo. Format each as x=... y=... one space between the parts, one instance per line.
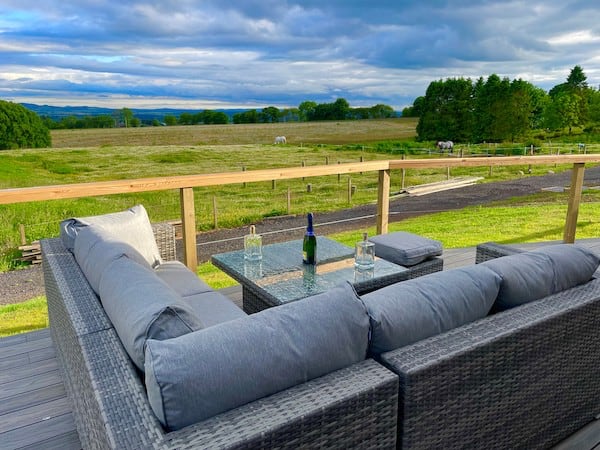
x=525 y=378
x=355 y=407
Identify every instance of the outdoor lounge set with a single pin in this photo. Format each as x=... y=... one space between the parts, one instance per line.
x=502 y=354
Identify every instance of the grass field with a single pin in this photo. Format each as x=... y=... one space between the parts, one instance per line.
x=297 y=133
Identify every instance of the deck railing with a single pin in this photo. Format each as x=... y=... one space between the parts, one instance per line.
x=185 y=184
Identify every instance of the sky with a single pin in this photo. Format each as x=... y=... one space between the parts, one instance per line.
x=209 y=54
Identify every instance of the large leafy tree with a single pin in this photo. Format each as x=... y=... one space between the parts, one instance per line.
x=447 y=111
x=569 y=101
x=21 y=128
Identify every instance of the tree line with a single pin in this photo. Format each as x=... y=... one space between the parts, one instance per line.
x=306 y=111
x=310 y=111
x=496 y=110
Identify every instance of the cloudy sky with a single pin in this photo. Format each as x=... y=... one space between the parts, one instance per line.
x=256 y=53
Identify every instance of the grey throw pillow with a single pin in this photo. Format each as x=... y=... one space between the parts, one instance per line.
x=412 y=310
x=405 y=249
x=201 y=374
x=131 y=226
x=141 y=307
x=536 y=274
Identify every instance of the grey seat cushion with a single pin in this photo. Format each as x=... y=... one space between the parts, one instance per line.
x=213 y=308
x=405 y=249
x=181 y=279
x=95 y=248
x=131 y=226
x=141 y=307
x=412 y=310
x=198 y=375
x=536 y=274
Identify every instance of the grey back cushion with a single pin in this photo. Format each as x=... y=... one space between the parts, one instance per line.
x=201 y=374
x=536 y=274
x=95 y=248
x=412 y=310
x=131 y=226
x=181 y=279
x=141 y=307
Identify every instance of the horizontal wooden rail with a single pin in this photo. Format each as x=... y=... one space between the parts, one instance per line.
x=55 y=192
x=438 y=163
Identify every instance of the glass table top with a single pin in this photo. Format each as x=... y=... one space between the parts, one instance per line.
x=282 y=275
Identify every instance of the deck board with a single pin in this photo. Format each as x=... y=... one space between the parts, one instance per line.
x=35 y=413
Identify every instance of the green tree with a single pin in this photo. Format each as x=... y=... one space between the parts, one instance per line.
x=186 y=118
x=270 y=114
x=594 y=106
x=416 y=109
x=447 y=112
x=562 y=111
x=126 y=117
x=250 y=116
x=170 y=120
x=577 y=78
x=21 y=128
x=306 y=110
x=575 y=107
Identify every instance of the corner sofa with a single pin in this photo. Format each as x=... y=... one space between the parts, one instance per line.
x=426 y=363
x=315 y=393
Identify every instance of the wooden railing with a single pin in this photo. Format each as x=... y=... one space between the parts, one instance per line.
x=185 y=184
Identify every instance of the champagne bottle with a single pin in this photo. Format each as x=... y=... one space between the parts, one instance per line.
x=309 y=246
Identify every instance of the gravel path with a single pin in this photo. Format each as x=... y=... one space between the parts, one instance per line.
x=20 y=285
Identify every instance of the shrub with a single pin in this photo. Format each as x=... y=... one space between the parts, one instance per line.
x=21 y=128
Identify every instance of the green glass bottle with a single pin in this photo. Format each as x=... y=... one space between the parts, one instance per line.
x=309 y=246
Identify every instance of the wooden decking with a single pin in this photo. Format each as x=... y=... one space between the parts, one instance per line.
x=35 y=413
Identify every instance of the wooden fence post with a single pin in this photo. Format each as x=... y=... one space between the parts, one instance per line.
x=574 y=199
x=403 y=173
x=383 y=201
x=349 y=190
x=215 y=213
x=188 y=228
x=289 y=200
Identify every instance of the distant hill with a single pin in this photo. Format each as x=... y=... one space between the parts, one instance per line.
x=60 y=112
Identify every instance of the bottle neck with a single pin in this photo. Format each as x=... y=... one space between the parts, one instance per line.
x=309 y=229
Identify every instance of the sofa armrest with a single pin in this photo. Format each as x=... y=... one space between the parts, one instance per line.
x=523 y=378
x=491 y=250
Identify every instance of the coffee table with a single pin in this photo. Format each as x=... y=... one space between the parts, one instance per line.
x=281 y=277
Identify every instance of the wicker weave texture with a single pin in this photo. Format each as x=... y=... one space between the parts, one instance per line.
x=354 y=407
x=491 y=250
x=524 y=378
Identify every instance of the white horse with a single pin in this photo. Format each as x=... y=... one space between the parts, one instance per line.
x=280 y=140
x=445 y=145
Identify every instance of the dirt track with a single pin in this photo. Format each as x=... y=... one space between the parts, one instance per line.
x=21 y=285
